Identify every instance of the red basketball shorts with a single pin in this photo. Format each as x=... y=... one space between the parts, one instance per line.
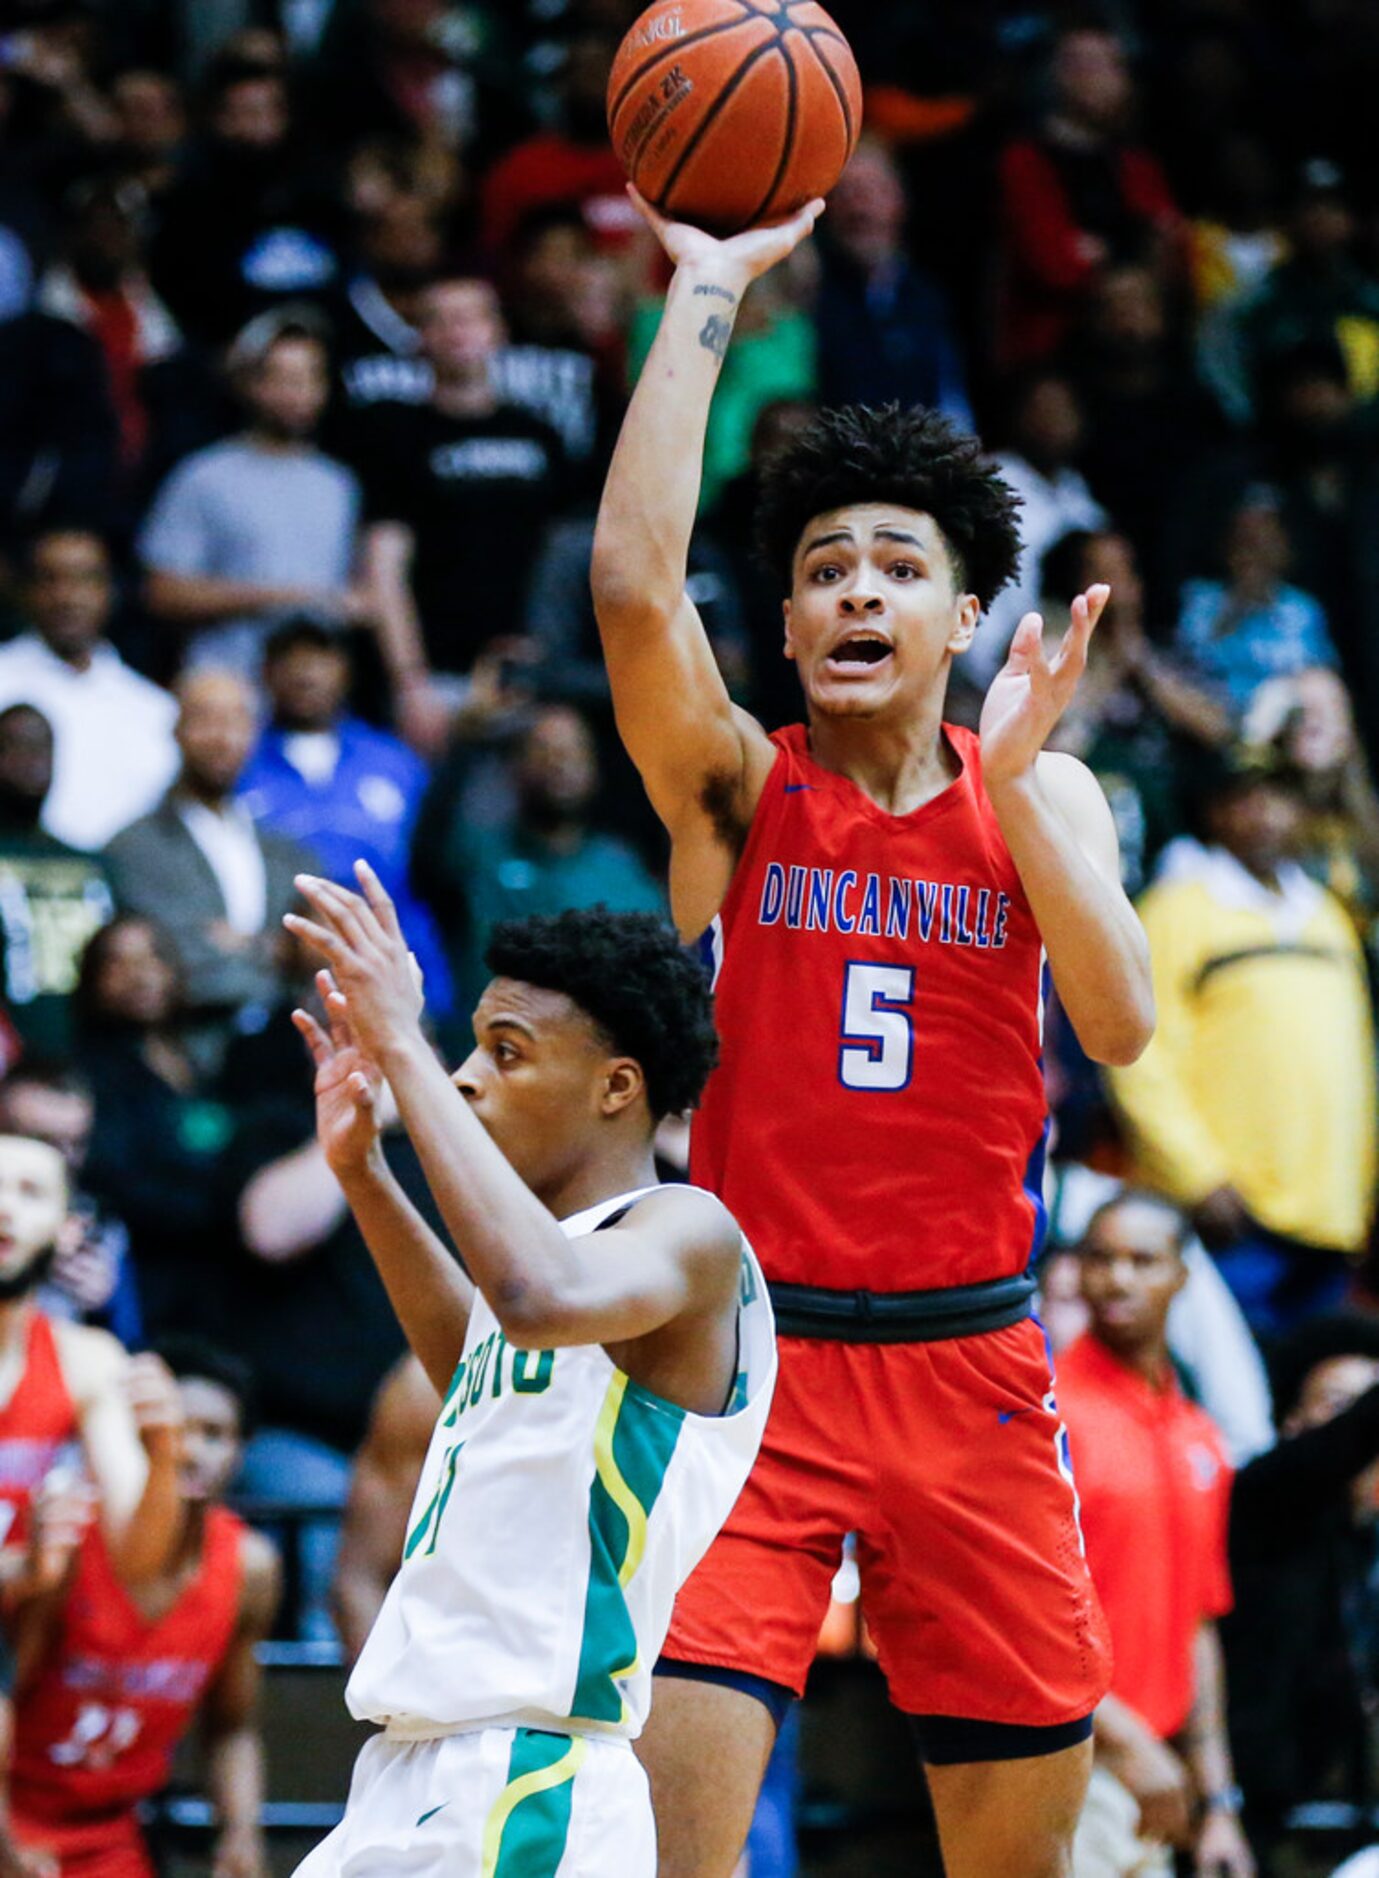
x=949 y=1462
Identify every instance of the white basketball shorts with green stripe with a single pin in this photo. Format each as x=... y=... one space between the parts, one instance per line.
x=493 y=1803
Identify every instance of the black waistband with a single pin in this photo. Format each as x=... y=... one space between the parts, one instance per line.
x=901 y=1316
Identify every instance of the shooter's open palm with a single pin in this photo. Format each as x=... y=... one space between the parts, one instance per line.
x=1031 y=691
x=742 y=257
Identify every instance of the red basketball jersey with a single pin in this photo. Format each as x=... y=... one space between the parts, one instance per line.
x=96 y=1731
x=877 y=1118
x=37 y=1424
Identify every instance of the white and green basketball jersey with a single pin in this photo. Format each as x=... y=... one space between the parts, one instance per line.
x=560 y=1509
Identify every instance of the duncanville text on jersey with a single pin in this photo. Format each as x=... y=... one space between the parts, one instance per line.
x=822 y=899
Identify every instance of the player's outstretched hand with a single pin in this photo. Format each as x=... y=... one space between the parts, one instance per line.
x=350 y=1092
x=359 y=938
x=741 y=257
x=157 y=1405
x=1031 y=691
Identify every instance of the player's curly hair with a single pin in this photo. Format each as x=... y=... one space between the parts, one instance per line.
x=913 y=457
x=628 y=972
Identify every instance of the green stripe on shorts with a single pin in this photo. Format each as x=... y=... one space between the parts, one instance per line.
x=529 y=1822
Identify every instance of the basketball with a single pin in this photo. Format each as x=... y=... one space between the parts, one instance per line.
x=726 y=113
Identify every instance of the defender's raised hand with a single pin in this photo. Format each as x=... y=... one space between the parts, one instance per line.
x=361 y=941
x=349 y=1089
x=1031 y=691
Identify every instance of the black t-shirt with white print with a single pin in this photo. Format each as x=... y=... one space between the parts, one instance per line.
x=477 y=494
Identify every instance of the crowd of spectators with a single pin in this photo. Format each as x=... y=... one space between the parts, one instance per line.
x=316 y=321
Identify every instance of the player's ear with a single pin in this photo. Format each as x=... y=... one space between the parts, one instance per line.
x=623 y=1082
x=789 y=642
x=965 y=623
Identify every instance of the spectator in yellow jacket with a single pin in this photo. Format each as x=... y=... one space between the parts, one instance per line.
x=1254 y=1106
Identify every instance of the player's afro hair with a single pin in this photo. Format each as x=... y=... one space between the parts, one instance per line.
x=914 y=458
x=629 y=973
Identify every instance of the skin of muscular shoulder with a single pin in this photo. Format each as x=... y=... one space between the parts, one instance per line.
x=382 y=1487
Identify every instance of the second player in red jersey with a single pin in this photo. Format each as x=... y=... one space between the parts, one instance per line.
x=112 y=1676
x=880 y=890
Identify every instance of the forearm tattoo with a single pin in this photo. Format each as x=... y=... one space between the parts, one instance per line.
x=715 y=334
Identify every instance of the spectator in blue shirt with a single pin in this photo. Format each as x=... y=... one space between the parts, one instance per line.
x=1236 y=633
x=341 y=788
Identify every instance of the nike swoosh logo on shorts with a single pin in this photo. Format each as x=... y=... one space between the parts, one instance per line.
x=793 y=789
x=1008 y=1415
x=432 y=1814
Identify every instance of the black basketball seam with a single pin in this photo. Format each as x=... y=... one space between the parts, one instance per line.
x=788 y=141
x=711 y=117
x=669 y=50
x=832 y=78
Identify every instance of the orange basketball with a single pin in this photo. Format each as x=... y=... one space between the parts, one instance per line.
x=726 y=113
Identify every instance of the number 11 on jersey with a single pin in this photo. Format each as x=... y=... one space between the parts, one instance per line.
x=878 y=1044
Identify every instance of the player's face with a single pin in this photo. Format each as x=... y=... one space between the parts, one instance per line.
x=875 y=613
x=537 y=1079
x=1132 y=1270
x=211 y=1439
x=33 y=1201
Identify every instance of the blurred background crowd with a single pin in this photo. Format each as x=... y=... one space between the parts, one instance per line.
x=316 y=321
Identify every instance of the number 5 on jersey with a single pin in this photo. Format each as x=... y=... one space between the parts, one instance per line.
x=878 y=1044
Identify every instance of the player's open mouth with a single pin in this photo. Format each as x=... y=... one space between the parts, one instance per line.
x=862 y=654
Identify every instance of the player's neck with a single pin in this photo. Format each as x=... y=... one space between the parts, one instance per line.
x=899 y=764
x=620 y=1170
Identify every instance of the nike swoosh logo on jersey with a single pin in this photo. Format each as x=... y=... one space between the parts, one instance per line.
x=432 y=1814
x=1008 y=1415
x=793 y=789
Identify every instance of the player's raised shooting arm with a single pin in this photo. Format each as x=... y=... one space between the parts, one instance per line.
x=680 y=727
x=230 y=1720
